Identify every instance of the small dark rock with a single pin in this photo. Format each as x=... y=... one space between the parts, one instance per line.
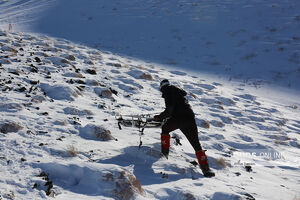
x=71 y=57
x=237 y=173
x=34 y=82
x=15 y=73
x=80 y=82
x=91 y=71
x=65 y=61
x=23 y=159
x=248 y=168
x=37 y=59
x=60 y=138
x=33 y=68
x=35 y=186
x=80 y=88
x=113 y=91
x=194 y=163
x=22 y=89
x=117 y=65
x=249 y=196
x=43 y=174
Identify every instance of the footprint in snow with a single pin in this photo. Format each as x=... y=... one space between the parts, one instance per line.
x=245 y=138
x=235 y=113
x=208 y=101
x=126 y=88
x=256 y=119
x=225 y=119
x=191 y=89
x=10 y=107
x=180 y=73
x=266 y=127
x=226 y=101
x=217 y=123
x=130 y=82
x=247 y=97
x=206 y=86
x=217 y=136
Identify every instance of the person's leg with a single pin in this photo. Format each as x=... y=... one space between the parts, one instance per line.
x=170 y=125
x=190 y=130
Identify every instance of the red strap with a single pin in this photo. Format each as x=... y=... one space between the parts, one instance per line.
x=202 y=158
x=165 y=141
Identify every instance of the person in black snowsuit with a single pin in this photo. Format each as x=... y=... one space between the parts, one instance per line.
x=179 y=115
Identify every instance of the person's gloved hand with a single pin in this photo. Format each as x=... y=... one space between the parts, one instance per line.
x=156 y=118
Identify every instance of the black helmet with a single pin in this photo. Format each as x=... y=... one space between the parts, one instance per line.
x=164 y=83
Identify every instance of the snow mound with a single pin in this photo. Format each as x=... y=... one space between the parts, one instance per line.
x=59 y=92
x=92 y=178
x=10 y=127
x=94 y=132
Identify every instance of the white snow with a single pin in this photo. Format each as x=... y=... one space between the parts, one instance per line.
x=238 y=60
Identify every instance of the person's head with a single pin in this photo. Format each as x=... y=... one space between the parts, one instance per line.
x=164 y=83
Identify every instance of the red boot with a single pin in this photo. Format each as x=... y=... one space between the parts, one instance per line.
x=165 y=145
x=203 y=162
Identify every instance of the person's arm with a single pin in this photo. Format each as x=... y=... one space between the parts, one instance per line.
x=170 y=104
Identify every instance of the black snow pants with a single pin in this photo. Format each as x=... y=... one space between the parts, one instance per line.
x=187 y=126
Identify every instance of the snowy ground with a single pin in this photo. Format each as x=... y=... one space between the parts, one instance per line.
x=239 y=60
x=58 y=98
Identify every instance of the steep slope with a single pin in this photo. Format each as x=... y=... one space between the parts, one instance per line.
x=59 y=136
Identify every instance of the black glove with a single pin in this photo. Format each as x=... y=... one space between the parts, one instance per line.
x=156 y=118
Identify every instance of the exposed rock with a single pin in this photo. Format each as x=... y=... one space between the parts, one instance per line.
x=104 y=92
x=222 y=163
x=118 y=65
x=10 y=127
x=127 y=186
x=38 y=99
x=91 y=131
x=204 y=124
x=89 y=62
x=71 y=57
x=37 y=59
x=65 y=61
x=146 y=76
x=91 y=71
x=33 y=68
x=10 y=49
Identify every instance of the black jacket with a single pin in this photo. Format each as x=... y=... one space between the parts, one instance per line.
x=177 y=105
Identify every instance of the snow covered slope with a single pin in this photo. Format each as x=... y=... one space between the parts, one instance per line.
x=59 y=136
x=255 y=41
